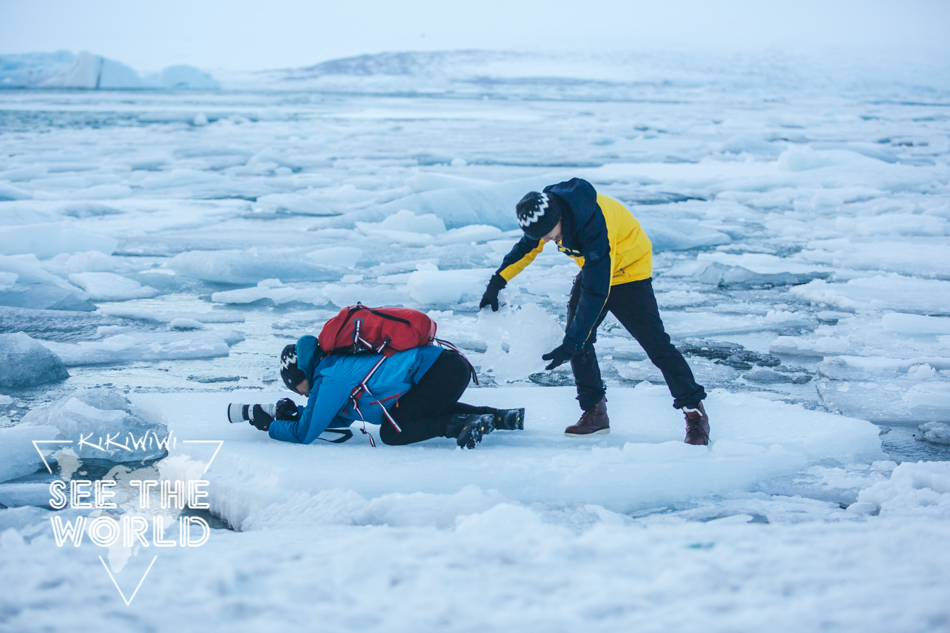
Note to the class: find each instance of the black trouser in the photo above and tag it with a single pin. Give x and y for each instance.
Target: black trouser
(634, 305)
(423, 412)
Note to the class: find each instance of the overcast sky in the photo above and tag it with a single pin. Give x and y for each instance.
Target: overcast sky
(258, 34)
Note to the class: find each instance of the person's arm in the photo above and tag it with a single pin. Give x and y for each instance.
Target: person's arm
(522, 254)
(327, 397)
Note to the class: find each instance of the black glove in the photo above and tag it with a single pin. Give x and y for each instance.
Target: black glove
(259, 418)
(560, 355)
(287, 410)
(491, 293)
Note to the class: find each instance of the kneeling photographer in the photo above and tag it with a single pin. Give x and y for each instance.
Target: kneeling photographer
(413, 395)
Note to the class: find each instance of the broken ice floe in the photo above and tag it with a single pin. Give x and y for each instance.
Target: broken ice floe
(131, 346)
(26, 285)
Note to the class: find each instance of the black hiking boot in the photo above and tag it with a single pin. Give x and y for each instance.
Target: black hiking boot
(469, 428)
(697, 425)
(508, 419)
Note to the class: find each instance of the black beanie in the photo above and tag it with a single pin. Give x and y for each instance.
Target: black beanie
(538, 214)
(289, 372)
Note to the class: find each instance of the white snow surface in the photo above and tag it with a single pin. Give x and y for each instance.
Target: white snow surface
(800, 214)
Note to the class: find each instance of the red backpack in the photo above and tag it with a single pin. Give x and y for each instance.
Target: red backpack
(358, 329)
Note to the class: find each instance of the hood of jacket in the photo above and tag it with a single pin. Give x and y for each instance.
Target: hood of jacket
(308, 356)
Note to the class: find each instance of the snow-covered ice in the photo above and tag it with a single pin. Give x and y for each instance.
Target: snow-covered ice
(166, 245)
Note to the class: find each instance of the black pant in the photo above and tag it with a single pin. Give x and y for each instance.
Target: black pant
(423, 412)
(634, 305)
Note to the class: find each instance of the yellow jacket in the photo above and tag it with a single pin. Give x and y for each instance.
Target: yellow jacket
(631, 253)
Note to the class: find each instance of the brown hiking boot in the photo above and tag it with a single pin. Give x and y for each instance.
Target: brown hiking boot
(594, 421)
(697, 425)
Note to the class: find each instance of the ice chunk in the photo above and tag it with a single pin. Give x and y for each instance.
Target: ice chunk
(914, 490)
(92, 72)
(430, 181)
(103, 418)
(89, 261)
(679, 235)
(934, 432)
(9, 192)
(308, 202)
(145, 346)
(492, 204)
(111, 287)
(930, 394)
(881, 255)
(138, 314)
(26, 363)
(34, 287)
(892, 292)
(744, 144)
(345, 256)
(18, 455)
(49, 240)
(718, 274)
(252, 266)
(433, 287)
(527, 332)
(814, 345)
(877, 367)
(8, 280)
(405, 222)
(273, 291)
(914, 324)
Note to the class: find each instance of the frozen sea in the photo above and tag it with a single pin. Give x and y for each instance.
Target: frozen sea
(165, 246)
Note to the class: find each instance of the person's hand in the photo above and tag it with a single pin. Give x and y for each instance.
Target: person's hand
(490, 297)
(287, 410)
(259, 418)
(560, 355)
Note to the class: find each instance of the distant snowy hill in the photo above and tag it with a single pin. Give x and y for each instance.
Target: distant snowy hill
(94, 72)
(614, 75)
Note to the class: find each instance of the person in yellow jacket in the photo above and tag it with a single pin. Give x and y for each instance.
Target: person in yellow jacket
(616, 261)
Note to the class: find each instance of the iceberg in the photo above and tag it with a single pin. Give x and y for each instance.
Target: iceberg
(93, 72)
(27, 70)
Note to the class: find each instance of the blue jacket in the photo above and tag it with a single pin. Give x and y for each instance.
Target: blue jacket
(333, 378)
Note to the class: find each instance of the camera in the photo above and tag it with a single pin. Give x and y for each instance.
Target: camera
(238, 412)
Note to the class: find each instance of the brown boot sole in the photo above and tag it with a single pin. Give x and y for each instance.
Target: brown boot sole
(600, 432)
